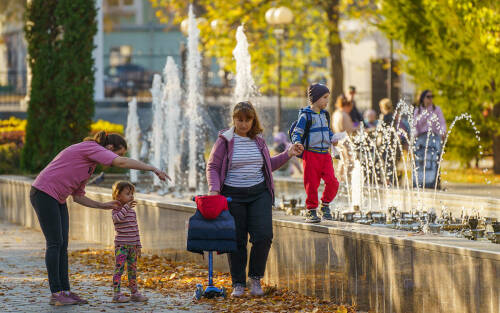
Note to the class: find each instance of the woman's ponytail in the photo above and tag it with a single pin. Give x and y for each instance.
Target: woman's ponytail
(104, 139)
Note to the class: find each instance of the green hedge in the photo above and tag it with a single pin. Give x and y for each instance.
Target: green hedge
(60, 42)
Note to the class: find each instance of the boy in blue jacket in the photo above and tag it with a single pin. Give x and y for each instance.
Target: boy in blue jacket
(316, 160)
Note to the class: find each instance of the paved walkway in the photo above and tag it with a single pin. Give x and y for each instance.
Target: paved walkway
(24, 284)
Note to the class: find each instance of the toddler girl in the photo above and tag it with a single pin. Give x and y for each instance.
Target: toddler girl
(127, 242)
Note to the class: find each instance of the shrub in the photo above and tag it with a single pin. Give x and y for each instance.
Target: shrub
(10, 155)
(60, 36)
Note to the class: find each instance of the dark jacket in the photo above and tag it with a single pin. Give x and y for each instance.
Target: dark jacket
(211, 235)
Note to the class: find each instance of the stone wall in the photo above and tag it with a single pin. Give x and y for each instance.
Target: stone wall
(376, 268)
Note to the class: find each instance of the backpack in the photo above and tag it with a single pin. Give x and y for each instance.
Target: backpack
(305, 137)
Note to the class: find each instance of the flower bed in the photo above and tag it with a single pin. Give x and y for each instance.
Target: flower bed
(12, 135)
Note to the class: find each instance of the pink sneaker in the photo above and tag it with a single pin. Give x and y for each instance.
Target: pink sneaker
(59, 298)
(79, 300)
(137, 297)
(120, 298)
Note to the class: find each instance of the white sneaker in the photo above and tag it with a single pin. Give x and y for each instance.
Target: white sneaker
(238, 291)
(256, 288)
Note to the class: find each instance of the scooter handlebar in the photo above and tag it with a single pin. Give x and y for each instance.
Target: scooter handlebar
(229, 199)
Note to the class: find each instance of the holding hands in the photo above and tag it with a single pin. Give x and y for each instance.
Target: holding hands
(111, 205)
(295, 149)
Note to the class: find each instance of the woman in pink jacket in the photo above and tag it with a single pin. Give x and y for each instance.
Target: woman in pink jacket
(241, 167)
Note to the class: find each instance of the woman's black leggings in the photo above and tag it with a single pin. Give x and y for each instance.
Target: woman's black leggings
(54, 221)
(251, 208)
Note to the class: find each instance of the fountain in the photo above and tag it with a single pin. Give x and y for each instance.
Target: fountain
(176, 133)
(245, 88)
(172, 102)
(133, 134)
(193, 119)
(157, 126)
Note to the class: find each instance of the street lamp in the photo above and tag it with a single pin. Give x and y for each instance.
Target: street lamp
(279, 17)
(185, 26)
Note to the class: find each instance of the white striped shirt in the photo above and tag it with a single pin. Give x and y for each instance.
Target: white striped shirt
(246, 165)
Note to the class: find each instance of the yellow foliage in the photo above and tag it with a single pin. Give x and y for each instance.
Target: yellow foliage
(106, 126)
(180, 278)
(12, 124)
(15, 124)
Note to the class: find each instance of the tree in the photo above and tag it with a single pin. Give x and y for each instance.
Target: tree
(311, 38)
(60, 42)
(453, 48)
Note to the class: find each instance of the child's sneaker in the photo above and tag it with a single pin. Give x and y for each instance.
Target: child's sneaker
(325, 213)
(312, 217)
(59, 298)
(137, 297)
(238, 291)
(256, 288)
(120, 298)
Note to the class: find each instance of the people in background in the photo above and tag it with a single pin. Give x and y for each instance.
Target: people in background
(354, 113)
(430, 127)
(370, 119)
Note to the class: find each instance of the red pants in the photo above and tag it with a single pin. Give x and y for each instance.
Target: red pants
(319, 166)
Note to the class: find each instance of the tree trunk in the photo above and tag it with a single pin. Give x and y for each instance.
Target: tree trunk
(335, 50)
(496, 142)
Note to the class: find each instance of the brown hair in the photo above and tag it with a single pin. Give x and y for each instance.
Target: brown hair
(246, 109)
(104, 139)
(341, 101)
(119, 186)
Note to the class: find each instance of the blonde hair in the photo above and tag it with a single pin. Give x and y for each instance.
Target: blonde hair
(119, 186)
(385, 105)
(246, 109)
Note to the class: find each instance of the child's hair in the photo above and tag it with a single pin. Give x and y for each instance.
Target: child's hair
(385, 105)
(245, 109)
(104, 139)
(119, 186)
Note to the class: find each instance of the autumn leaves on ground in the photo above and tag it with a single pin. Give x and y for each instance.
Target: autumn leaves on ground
(171, 278)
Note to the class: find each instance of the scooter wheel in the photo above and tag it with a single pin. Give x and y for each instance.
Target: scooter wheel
(198, 292)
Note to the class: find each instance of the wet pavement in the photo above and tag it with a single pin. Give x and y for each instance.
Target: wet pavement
(24, 284)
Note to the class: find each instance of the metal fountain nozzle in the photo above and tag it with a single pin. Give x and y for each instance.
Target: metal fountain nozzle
(473, 222)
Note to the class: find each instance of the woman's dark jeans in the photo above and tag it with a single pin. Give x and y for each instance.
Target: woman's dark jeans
(54, 221)
(251, 208)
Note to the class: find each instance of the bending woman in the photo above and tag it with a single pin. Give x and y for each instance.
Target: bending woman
(240, 167)
(66, 175)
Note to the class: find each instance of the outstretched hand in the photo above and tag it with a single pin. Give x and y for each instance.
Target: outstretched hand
(295, 149)
(161, 174)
